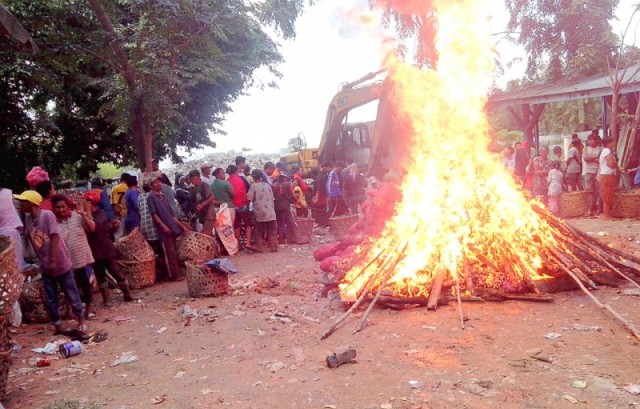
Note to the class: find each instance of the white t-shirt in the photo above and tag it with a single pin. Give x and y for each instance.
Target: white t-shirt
(590, 167)
(574, 165)
(604, 169)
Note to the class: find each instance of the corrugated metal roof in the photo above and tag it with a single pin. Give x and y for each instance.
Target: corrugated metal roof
(595, 86)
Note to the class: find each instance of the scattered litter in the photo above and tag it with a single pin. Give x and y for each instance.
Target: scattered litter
(52, 392)
(223, 265)
(416, 384)
(188, 314)
(582, 328)
(631, 291)
(179, 374)
(602, 233)
(345, 357)
(260, 333)
(126, 358)
(386, 406)
(633, 389)
(120, 320)
(206, 392)
(158, 399)
(536, 354)
(579, 384)
(329, 406)
(280, 316)
(161, 330)
(553, 335)
(49, 349)
(274, 366)
(432, 328)
(570, 399)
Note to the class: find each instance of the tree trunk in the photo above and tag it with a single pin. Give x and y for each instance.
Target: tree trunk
(614, 113)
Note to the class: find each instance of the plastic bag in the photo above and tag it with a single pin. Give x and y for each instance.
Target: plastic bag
(224, 228)
(16, 314)
(222, 265)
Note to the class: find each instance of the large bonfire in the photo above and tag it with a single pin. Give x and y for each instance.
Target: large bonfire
(459, 204)
(462, 219)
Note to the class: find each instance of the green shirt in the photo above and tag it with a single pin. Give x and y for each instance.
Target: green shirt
(221, 189)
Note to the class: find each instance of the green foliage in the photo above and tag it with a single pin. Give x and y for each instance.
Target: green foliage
(167, 73)
(108, 170)
(564, 38)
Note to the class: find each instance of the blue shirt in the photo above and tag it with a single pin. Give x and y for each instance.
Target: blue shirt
(333, 184)
(132, 219)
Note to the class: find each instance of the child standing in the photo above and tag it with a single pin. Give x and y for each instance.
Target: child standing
(301, 202)
(554, 183)
(261, 195)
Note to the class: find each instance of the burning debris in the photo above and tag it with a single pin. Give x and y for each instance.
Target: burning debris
(463, 223)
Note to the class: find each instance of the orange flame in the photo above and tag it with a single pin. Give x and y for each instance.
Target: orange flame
(461, 210)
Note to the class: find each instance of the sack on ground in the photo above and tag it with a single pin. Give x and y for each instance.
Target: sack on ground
(224, 228)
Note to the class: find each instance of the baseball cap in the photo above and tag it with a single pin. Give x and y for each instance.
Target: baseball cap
(93, 196)
(153, 177)
(30, 196)
(206, 165)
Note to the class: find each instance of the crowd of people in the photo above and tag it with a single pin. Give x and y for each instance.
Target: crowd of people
(592, 167)
(72, 240)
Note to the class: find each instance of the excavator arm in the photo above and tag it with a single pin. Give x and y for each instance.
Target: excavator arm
(351, 96)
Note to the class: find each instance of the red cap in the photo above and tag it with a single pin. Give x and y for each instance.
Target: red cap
(93, 196)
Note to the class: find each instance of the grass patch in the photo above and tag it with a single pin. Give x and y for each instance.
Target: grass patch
(72, 404)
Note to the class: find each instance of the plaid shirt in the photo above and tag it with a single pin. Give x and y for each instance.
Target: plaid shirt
(147, 226)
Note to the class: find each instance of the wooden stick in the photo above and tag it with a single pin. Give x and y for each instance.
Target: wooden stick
(361, 297)
(436, 287)
(609, 265)
(617, 316)
(390, 270)
(459, 303)
(467, 273)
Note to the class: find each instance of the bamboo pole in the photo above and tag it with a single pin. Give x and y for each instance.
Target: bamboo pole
(615, 314)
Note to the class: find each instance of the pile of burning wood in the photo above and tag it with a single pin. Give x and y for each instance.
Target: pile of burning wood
(575, 254)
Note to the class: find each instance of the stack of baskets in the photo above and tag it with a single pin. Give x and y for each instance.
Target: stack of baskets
(626, 204)
(203, 281)
(573, 204)
(138, 261)
(10, 287)
(305, 228)
(32, 302)
(196, 246)
(340, 225)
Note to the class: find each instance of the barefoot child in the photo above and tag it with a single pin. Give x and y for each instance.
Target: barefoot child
(554, 182)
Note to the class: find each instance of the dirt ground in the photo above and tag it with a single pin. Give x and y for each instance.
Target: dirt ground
(259, 347)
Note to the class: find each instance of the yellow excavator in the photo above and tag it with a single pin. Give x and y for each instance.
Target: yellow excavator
(363, 143)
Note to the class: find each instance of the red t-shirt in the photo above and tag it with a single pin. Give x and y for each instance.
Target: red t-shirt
(240, 199)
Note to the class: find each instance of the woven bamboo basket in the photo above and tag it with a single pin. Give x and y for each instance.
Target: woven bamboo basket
(202, 281)
(5, 364)
(32, 303)
(305, 229)
(573, 204)
(626, 205)
(134, 247)
(196, 246)
(339, 226)
(140, 274)
(10, 277)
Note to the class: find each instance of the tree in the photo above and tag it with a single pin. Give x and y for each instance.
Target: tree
(173, 60)
(563, 38)
(297, 143)
(121, 80)
(414, 21)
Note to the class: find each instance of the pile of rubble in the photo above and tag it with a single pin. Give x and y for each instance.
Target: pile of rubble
(222, 160)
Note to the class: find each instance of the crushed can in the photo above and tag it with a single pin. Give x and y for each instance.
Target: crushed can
(43, 362)
(69, 349)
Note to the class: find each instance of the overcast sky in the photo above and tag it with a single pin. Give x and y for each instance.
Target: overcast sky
(330, 48)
